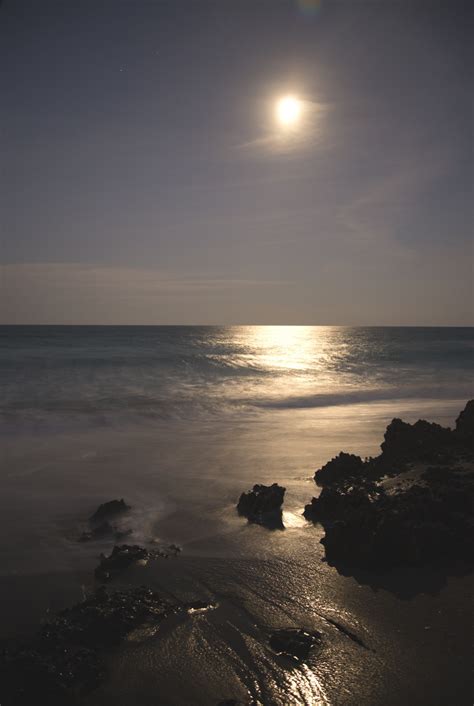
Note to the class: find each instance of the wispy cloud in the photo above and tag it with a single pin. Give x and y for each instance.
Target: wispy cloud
(140, 280)
(382, 207)
(64, 292)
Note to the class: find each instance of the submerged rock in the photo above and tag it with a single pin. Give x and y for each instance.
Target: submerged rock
(262, 505)
(294, 643)
(102, 531)
(109, 510)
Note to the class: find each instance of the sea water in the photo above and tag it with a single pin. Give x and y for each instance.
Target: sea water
(69, 376)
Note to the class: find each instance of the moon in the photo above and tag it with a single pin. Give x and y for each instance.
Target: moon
(288, 110)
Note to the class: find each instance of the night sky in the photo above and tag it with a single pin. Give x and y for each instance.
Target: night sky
(146, 179)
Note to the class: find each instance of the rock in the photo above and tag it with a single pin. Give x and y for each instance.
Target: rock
(412, 526)
(101, 526)
(465, 423)
(104, 619)
(294, 643)
(263, 504)
(109, 510)
(64, 661)
(425, 520)
(337, 502)
(125, 555)
(311, 511)
(342, 468)
(415, 442)
(66, 658)
(121, 558)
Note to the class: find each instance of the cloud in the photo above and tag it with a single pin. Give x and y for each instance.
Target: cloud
(383, 207)
(93, 293)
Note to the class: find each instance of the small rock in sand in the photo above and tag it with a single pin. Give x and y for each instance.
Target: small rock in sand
(294, 643)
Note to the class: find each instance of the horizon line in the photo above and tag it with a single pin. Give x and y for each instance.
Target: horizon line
(177, 325)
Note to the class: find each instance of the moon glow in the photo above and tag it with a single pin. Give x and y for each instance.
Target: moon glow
(288, 110)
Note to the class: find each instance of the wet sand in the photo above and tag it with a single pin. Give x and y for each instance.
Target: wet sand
(405, 651)
(416, 652)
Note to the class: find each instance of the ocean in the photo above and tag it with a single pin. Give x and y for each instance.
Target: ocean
(179, 421)
(53, 377)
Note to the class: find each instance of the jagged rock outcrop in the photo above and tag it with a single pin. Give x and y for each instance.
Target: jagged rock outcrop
(422, 441)
(342, 468)
(262, 505)
(108, 511)
(101, 525)
(465, 424)
(424, 519)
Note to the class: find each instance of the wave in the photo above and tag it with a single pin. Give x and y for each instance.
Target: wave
(334, 399)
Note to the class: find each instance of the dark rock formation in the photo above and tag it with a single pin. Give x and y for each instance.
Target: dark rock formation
(104, 619)
(100, 523)
(342, 468)
(422, 441)
(108, 511)
(424, 520)
(465, 424)
(262, 505)
(336, 502)
(121, 558)
(294, 643)
(125, 555)
(66, 659)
